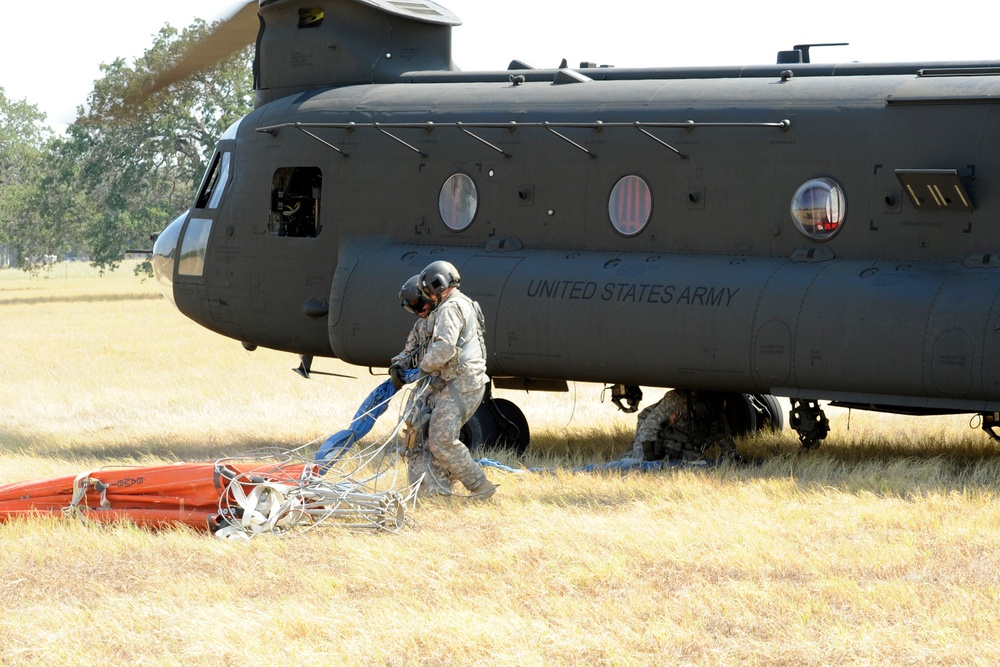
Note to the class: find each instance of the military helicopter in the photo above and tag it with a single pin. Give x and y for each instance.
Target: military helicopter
(820, 232)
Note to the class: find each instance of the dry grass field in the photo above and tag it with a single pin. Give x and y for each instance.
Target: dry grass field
(880, 548)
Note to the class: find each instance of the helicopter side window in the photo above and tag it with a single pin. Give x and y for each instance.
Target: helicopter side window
(458, 201)
(819, 208)
(295, 202)
(630, 205)
(215, 181)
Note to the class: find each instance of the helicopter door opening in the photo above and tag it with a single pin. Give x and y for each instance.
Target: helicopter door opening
(296, 193)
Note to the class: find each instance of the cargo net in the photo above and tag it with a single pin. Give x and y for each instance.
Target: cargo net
(272, 491)
(286, 492)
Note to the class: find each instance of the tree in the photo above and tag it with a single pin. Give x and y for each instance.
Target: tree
(132, 164)
(23, 139)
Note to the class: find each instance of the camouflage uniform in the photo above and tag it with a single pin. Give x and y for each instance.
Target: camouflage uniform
(419, 405)
(683, 425)
(416, 344)
(456, 357)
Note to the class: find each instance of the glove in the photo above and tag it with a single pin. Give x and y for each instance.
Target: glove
(396, 375)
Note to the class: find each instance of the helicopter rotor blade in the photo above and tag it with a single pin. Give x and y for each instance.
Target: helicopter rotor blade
(233, 34)
(225, 39)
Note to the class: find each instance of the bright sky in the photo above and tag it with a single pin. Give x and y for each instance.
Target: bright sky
(51, 51)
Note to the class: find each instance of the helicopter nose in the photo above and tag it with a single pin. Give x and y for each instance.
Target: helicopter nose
(165, 256)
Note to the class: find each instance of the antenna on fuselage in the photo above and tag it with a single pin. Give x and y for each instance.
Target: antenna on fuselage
(800, 53)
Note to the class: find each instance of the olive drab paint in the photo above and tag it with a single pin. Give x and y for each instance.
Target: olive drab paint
(799, 229)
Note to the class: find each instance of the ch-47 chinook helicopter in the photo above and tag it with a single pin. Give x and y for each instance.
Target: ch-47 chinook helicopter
(818, 232)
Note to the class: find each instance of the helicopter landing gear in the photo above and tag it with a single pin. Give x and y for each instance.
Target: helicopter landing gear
(991, 422)
(747, 413)
(807, 418)
(626, 397)
(496, 424)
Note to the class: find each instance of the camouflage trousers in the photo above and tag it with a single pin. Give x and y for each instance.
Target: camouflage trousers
(674, 445)
(437, 453)
(419, 461)
(668, 430)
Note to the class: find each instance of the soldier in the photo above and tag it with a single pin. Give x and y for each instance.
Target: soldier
(455, 358)
(419, 461)
(683, 425)
(412, 299)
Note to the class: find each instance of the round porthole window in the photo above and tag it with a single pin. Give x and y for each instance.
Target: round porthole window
(818, 208)
(458, 202)
(630, 205)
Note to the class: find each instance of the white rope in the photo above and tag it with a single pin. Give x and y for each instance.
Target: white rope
(355, 491)
(82, 484)
(267, 501)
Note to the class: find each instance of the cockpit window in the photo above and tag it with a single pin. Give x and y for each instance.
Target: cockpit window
(193, 247)
(215, 181)
(819, 208)
(296, 193)
(165, 255)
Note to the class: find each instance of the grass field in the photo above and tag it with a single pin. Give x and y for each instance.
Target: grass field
(880, 548)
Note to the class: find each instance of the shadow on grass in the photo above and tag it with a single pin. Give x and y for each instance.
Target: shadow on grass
(883, 466)
(145, 450)
(894, 469)
(87, 298)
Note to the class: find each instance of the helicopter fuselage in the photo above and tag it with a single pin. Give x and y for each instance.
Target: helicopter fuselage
(794, 231)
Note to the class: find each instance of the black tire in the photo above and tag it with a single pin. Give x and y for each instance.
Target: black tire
(747, 413)
(741, 414)
(514, 433)
(481, 431)
(496, 424)
(774, 417)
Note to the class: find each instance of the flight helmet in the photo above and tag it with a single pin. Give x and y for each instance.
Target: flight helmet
(410, 296)
(437, 277)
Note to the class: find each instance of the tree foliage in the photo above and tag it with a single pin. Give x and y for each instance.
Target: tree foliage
(131, 163)
(23, 141)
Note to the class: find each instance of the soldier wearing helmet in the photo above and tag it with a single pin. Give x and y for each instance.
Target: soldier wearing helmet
(455, 357)
(412, 300)
(419, 462)
(683, 426)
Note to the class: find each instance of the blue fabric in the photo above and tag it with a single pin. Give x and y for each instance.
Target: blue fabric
(621, 465)
(371, 409)
(377, 403)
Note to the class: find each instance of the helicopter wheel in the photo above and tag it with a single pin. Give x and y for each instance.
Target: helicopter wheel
(740, 414)
(496, 423)
(481, 430)
(770, 415)
(514, 432)
(747, 413)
